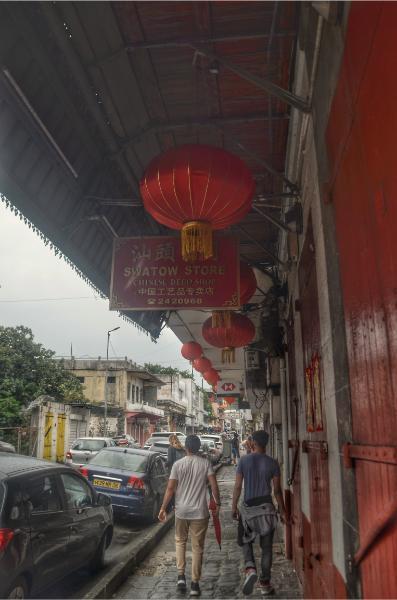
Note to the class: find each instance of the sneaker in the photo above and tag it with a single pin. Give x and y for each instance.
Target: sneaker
(249, 582)
(266, 588)
(181, 583)
(195, 591)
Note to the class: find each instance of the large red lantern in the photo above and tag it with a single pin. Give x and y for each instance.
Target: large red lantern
(240, 333)
(211, 377)
(197, 189)
(191, 350)
(229, 400)
(202, 364)
(247, 289)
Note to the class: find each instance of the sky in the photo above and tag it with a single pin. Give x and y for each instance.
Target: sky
(42, 292)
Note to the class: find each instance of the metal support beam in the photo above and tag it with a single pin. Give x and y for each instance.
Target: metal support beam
(272, 220)
(163, 127)
(261, 246)
(264, 84)
(152, 45)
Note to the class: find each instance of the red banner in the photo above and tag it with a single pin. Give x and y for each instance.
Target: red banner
(148, 273)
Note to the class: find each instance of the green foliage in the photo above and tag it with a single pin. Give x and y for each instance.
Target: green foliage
(207, 403)
(160, 370)
(27, 370)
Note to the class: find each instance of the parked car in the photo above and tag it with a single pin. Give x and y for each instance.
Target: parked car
(85, 448)
(216, 438)
(209, 450)
(135, 479)
(161, 446)
(126, 440)
(52, 522)
(6, 447)
(166, 434)
(155, 440)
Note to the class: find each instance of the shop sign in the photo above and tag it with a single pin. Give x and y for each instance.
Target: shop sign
(228, 388)
(148, 273)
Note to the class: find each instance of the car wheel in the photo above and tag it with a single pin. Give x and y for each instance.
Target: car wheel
(19, 589)
(98, 561)
(155, 510)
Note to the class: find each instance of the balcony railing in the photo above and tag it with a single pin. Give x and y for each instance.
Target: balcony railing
(144, 408)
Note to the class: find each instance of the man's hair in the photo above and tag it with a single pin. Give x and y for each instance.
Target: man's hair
(192, 443)
(261, 438)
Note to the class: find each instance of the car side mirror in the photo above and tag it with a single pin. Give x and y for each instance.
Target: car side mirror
(103, 499)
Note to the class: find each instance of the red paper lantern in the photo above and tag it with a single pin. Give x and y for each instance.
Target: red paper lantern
(247, 283)
(211, 377)
(229, 400)
(240, 333)
(197, 189)
(191, 350)
(202, 364)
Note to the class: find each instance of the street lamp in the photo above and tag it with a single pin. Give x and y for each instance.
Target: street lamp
(106, 381)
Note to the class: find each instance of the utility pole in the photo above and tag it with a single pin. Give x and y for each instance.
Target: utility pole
(106, 382)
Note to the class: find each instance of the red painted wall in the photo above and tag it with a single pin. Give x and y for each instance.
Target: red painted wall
(362, 143)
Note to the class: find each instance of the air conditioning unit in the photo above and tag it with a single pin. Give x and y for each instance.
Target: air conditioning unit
(252, 360)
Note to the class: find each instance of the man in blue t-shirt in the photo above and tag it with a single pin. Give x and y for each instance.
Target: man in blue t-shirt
(257, 515)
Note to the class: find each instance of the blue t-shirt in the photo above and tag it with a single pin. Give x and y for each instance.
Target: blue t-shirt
(258, 471)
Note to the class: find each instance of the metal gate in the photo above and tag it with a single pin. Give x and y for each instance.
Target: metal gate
(362, 149)
(61, 437)
(48, 425)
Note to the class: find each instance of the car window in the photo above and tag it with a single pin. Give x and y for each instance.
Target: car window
(92, 445)
(77, 491)
(16, 502)
(42, 495)
(120, 460)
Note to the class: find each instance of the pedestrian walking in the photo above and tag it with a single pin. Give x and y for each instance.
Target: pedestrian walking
(257, 515)
(248, 445)
(235, 448)
(175, 451)
(188, 482)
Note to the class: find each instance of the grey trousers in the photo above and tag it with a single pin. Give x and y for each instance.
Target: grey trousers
(266, 544)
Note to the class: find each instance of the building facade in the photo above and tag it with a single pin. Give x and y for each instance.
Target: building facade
(130, 393)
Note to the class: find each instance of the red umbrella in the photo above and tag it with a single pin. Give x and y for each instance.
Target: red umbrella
(215, 520)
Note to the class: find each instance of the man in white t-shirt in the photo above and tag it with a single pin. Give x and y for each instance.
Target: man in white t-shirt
(188, 481)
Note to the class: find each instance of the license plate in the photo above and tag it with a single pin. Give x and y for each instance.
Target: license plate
(113, 485)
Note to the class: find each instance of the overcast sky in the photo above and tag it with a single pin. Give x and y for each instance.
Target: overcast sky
(41, 291)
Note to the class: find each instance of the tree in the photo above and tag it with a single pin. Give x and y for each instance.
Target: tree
(28, 370)
(160, 370)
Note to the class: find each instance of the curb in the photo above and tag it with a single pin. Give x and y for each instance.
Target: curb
(109, 583)
(112, 579)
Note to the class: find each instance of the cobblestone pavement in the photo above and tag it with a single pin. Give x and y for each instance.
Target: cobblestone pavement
(222, 570)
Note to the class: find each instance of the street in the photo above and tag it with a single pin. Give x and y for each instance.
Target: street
(156, 577)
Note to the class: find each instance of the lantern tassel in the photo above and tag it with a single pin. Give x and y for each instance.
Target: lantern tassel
(228, 355)
(221, 318)
(196, 238)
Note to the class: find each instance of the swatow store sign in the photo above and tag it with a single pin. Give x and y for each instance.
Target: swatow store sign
(148, 273)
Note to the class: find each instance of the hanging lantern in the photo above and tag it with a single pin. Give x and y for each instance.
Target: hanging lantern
(229, 400)
(191, 350)
(197, 189)
(240, 333)
(202, 364)
(211, 377)
(221, 318)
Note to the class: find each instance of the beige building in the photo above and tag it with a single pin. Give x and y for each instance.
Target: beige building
(127, 387)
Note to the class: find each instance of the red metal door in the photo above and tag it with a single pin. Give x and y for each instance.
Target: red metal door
(319, 572)
(361, 140)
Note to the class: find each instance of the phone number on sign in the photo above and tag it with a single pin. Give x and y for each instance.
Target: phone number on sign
(174, 301)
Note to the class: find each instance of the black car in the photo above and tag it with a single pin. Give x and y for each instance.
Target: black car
(135, 479)
(52, 522)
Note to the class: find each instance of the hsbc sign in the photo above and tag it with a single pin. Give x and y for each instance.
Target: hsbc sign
(228, 388)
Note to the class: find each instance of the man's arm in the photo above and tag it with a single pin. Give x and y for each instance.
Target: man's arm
(169, 493)
(279, 496)
(215, 491)
(238, 486)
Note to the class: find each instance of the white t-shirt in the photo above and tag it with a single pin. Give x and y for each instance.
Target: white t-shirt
(191, 496)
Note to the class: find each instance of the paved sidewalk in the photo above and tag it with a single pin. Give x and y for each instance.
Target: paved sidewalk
(222, 570)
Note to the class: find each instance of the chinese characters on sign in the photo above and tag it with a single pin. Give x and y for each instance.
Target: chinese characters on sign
(149, 274)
